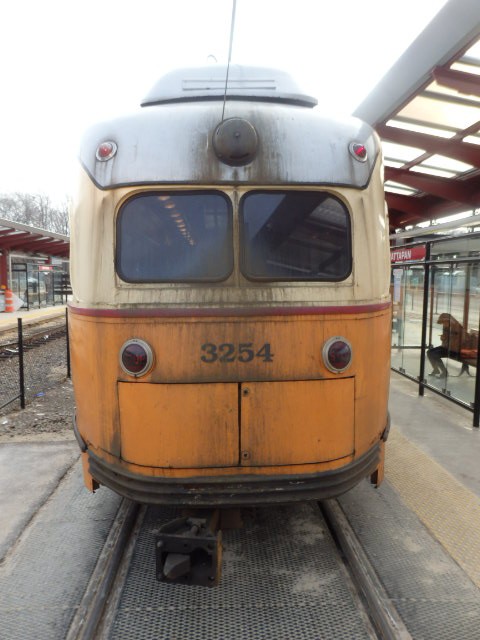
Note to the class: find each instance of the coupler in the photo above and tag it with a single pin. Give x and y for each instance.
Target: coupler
(189, 550)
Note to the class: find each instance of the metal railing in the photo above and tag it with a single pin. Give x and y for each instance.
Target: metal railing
(32, 360)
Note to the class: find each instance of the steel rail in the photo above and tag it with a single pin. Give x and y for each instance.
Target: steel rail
(88, 617)
(96, 612)
(385, 617)
(34, 338)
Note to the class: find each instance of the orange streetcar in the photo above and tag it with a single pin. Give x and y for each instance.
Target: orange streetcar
(230, 321)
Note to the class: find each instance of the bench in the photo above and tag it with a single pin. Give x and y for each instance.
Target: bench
(468, 357)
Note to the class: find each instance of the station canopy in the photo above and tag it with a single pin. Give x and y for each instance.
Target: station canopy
(20, 237)
(427, 113)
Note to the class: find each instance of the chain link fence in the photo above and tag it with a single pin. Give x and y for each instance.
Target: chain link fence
(33, 358)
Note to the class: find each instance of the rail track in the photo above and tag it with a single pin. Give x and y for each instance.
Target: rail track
(32, 338)
(387, 622)
(106, 611)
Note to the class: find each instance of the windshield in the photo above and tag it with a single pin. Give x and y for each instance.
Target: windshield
(175, 237)
(295, 235)
(187, 236)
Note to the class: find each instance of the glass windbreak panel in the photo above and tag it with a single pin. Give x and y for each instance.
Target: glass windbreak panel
(453, 248)
(175, 237)
(19, 281)
(30, 282)
(295, 235)
(407, 301)
(453, 323)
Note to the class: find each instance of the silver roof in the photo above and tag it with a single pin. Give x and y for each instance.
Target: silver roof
(172, 141)
(244, 83)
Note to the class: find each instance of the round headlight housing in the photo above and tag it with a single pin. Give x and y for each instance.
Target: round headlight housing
(337, 354)
(136, 357)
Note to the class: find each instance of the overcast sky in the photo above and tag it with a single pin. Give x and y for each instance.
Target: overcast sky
(66, 64)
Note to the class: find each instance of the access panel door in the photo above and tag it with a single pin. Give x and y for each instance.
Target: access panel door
(179, 425)
(284, 423)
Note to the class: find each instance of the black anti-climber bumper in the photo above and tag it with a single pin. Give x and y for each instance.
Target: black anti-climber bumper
(237, 490)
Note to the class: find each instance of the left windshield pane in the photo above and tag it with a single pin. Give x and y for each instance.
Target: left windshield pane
(175, 237)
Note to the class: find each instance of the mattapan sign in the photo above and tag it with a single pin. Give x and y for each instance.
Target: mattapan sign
(408, 254)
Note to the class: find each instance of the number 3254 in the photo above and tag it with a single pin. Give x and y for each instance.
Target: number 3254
(228, 352)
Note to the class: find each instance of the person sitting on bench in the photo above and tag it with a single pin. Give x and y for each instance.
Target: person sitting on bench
(451, 339)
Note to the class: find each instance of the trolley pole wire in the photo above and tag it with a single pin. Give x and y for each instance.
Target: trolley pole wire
(232, 28)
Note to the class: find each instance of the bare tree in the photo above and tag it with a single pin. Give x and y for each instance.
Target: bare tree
(36, 210)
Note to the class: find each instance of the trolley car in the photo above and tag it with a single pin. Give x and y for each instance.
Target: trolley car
(230, 319)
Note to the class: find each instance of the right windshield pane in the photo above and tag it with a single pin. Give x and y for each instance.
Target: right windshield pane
(295, 235)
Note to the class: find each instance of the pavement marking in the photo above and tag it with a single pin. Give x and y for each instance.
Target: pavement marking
(446, 507)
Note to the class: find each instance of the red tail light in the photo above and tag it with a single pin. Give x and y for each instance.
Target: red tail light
(337, 354)
(358, 151)
(106, 150)
(136, 357)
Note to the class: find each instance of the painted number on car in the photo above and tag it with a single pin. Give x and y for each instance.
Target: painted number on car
(229, 352)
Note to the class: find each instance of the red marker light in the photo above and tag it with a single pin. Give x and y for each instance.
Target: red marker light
(106, 150)
(358, 151)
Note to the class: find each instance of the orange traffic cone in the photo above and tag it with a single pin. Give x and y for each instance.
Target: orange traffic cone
(9, 308)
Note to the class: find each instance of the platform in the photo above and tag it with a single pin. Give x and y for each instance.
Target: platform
(9, 320)
(419, 530)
